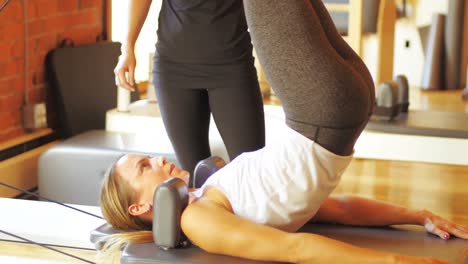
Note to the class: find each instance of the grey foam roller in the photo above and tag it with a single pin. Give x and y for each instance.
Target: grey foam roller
(433, 75)
(453, 43)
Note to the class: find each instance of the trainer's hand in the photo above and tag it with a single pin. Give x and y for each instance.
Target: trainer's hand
(442, 227)
(125, 71)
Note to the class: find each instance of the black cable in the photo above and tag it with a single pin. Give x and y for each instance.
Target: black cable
(47, 247)
(4, 5)
(49, 200)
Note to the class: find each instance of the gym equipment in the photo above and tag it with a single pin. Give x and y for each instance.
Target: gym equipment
(48, 223)
(171, 198)
(83, 159)
(451, 125)
(83, 84)
(205, 169)
(392, 105)
(387, 106)
(396, 240)
(427, 136)
(403, 93)
(392, 99)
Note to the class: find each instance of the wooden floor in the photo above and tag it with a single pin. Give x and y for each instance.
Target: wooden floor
(444, 101)
(440, 188)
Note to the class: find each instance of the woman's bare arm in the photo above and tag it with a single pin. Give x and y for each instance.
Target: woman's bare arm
(352, 210)
(212, 227)
(137, 13)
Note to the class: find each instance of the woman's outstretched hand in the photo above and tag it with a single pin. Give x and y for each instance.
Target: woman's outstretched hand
(125, 70)
(442, 227)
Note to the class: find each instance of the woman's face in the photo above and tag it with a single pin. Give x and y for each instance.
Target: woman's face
(144, 173)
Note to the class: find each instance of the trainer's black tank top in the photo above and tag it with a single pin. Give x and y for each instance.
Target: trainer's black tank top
(203, 32)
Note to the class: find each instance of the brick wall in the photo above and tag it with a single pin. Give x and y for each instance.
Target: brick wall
(49, 22)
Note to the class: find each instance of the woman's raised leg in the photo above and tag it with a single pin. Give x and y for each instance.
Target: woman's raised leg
(337, 41)
(324, 97)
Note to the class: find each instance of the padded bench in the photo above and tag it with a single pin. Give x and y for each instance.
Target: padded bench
(71, 172)
(399, 239)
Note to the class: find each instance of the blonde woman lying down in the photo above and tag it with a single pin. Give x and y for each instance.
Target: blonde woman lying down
(260, 199)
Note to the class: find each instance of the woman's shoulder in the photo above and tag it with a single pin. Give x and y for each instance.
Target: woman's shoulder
(212, 201)
(212, 195)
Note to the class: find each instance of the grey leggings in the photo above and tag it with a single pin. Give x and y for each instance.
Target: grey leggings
(326, 90)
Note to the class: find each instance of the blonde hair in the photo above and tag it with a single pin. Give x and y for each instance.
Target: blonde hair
(115, 198)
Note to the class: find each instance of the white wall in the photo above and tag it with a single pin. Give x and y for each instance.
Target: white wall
(425, 9)
(408, 60)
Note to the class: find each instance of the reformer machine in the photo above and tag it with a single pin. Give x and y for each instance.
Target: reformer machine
(171, 245)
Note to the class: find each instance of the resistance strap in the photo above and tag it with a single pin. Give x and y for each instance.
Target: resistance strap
(49, 200)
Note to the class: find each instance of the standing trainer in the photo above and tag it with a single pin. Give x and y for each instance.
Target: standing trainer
(203, 65)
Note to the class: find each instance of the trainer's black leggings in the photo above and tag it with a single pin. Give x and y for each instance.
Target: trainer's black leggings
(326, 90)
(188, 94)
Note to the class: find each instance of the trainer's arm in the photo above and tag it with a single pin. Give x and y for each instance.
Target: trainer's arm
(212, 227)
(137, 13)
(125, 69)
(353, 210)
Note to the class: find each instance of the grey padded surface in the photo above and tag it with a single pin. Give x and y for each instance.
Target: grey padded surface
(71, 172)
(399, 240)
(84, 81)
(425, 123)
(151, 254)
(83, 84)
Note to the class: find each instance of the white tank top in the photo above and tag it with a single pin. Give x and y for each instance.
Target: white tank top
(281, 185)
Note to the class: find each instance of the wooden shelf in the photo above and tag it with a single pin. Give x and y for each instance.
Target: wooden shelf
(25, 138)
(21, 170)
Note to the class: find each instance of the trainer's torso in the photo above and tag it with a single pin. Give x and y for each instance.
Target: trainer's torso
(203, 32)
